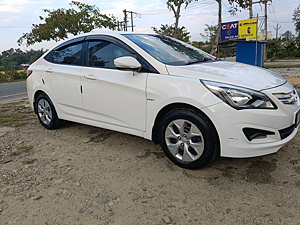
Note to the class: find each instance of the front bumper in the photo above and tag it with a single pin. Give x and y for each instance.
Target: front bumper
(255, 132)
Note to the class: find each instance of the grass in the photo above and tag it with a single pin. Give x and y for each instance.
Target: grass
(281, 66)
(15, 114)
(11, 119)
(12, 76)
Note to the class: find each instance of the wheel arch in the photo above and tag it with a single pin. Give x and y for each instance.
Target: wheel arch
(176, 106)
(36, 94)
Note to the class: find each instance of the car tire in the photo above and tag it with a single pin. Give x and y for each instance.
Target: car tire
(46, 112)
(188, 139)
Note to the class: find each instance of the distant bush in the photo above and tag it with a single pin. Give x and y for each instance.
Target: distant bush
(281, 49)
(12, 75)
(12, 59)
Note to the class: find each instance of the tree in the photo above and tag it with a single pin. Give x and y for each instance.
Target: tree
(288, 35)
(210, 33)
(236, 4)
(274, 48)
(61, 22)
(218, 33)
(168, 30)
(296, 20)
(175, 6)
(12, 59)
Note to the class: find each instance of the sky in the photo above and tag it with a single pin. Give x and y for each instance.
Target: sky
(17, 16)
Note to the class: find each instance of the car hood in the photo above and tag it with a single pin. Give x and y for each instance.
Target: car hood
(233, 73)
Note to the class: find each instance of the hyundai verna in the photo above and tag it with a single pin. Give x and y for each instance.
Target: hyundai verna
(156, 87)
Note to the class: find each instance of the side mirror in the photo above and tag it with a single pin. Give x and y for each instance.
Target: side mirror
(127, 62)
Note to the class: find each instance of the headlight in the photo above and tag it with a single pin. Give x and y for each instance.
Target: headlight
(238, 97)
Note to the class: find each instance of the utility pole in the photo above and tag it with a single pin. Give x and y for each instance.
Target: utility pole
(266, 19)
(250, 9)
(277, 29)
(125, 19)
(265, 2)
(131, 19)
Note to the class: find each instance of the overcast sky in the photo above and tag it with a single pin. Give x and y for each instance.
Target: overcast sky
(17, 16)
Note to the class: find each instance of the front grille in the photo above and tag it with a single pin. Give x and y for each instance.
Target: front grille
(287, 98)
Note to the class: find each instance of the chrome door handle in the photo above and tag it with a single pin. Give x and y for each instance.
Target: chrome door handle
(90, 77)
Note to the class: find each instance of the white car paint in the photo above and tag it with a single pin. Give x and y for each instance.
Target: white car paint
(231, 73)
(129, 101)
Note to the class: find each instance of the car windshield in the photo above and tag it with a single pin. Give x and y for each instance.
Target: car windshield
(169, 50)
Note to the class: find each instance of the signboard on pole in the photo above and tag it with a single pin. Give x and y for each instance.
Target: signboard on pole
(247, 28)
(239, 30)
(229, 31)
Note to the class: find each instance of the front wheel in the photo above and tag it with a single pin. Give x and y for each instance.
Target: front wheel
(188, 139)
(46, 112)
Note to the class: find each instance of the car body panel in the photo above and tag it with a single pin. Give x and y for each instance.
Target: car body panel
(65, 80)
(231, 73)
(112, 96)
(130, 101)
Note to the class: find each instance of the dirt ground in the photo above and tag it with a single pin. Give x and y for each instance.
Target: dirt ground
(86, 175)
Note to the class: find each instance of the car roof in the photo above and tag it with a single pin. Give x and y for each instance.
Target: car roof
(116, 34)
(110, 33)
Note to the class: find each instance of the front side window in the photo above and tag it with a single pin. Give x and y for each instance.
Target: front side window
(103, 53)
(68, 55)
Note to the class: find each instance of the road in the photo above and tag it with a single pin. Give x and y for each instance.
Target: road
(11, 91)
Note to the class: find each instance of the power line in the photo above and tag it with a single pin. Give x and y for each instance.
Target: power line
(273, 6)
(190, 7)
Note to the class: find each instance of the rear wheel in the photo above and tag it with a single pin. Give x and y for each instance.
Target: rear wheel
(188, 139)
(46, 112)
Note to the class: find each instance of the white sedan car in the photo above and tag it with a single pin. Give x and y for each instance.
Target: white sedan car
(156, 87)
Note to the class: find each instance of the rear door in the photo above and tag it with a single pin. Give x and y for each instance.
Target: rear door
(62, 78)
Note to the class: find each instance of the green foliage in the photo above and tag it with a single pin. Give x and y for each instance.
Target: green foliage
(12, 59)
(296, 20)
(236, 4)
(226, 51)
(168, 30)
(178, 2)
(61, 22)
(204, 46)
(210, 33)
(280, 49)
(288, 35)
(273, 48)
(12, 75)
(175, 6)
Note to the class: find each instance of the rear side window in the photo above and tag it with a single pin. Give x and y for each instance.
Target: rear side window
(68, 55)
(103, 53)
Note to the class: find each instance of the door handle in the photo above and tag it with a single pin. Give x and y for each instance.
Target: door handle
(49, 70)
(90, 77)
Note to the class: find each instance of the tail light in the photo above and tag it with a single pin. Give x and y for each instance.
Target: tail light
(29, 72)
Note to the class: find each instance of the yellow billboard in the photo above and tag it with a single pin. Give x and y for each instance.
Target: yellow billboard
(247, 28)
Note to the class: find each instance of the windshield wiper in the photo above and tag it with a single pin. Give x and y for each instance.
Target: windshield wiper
(199, 61)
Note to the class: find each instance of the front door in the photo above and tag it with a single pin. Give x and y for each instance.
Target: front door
(111, 96)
